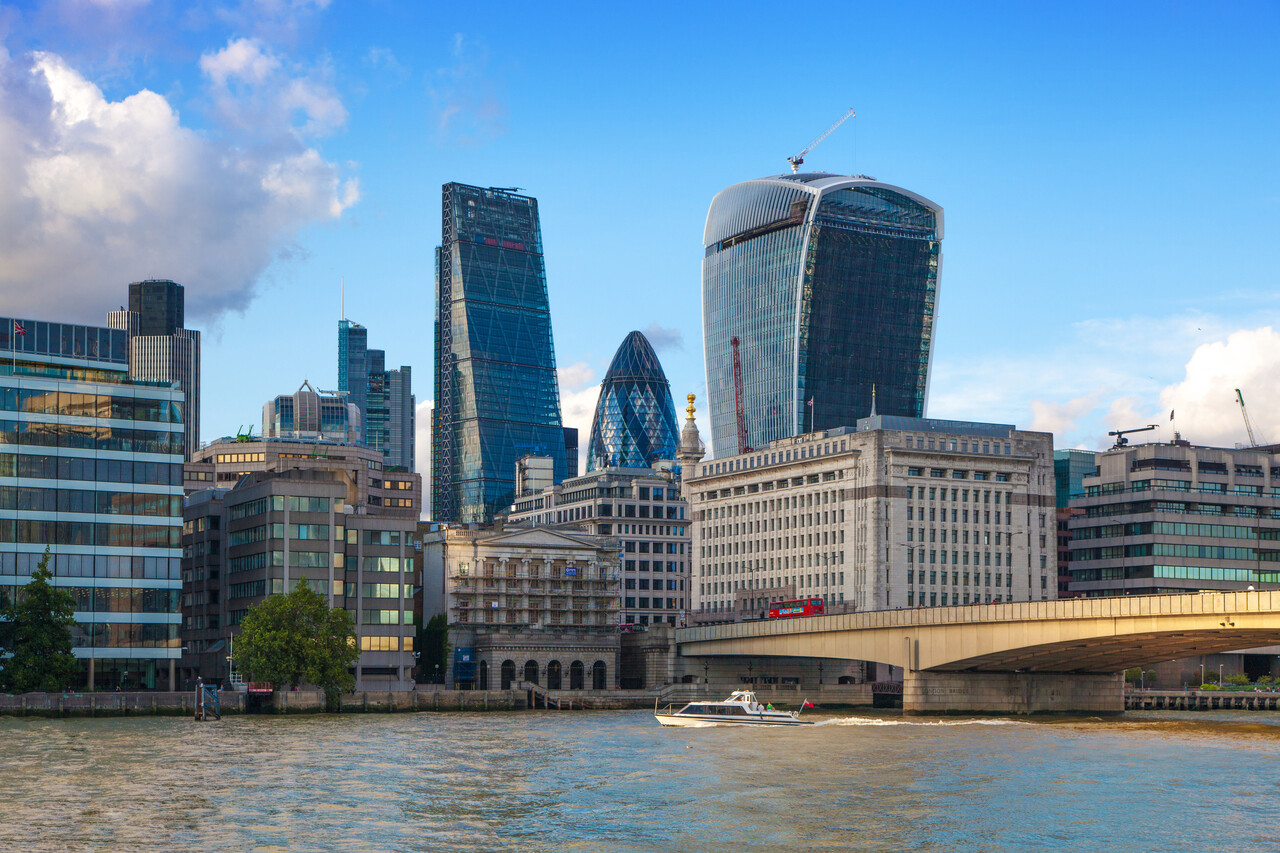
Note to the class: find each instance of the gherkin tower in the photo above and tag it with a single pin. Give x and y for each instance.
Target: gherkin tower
(635, 419)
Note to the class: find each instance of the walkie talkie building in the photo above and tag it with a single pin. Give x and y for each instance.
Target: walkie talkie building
(830, 283)
(496, 393)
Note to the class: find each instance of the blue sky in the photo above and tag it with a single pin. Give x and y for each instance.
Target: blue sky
(1108, 173)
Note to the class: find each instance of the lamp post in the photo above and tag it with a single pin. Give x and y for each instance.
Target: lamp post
(751, 668)
(1219, 675)
(820, 668)
(705, 667)
(1202, 672)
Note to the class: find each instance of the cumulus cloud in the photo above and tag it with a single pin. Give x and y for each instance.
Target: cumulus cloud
(422, 451)
(664, 339)
(1059, 418)
(579, 390)
(255, 94)
(99, 193)
(468, 107)
(1204, 401)
(242, 59)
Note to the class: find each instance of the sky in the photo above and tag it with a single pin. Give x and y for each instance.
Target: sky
(1108, 174)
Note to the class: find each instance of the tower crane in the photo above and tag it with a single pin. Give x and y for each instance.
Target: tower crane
(737, 398)
(1120, 434)
(799, 158)
(1248, 425)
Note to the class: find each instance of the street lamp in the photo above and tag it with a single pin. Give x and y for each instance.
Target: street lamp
(1202, 672)
(1219, 675)
(705, 667)
(751, 668)
(820, 668)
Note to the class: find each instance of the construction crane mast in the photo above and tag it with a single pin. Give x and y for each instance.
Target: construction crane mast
(1248, 425)
(1120, 434)
(799, 158)
(737, 399)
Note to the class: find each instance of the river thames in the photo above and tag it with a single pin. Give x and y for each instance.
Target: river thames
(616, 781)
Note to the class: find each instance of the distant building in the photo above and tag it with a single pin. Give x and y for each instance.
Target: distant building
(1166, 518)
(384, 397)
(91, 469)
(634, 425)
(571, 451)
(160, 349)
(309, 414)
(829, 284)
(641, 507)
(1070, 467)
(496, 392)
(276, 529)
(901, 512)
(533, 604)
(224, 462)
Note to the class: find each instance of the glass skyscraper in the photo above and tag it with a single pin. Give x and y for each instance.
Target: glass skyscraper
(829, 284)
(635, 420)
(91, 468)
(496, 393)
(384, 397)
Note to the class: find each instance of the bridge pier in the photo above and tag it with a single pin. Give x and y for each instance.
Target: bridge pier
(934, 692)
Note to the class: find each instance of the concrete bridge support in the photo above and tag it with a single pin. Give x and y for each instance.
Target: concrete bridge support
(932, 692)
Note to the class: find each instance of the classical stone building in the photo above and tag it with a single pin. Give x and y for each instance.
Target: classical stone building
(899, 512)
(643, 509)
(536, 603)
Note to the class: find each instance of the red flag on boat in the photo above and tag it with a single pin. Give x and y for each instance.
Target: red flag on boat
(807, 704)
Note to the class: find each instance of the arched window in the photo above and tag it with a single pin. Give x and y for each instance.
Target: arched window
(531, 671)
(553, 675)
(598, 675)
(576, 671)
(508, 673)
(484, 675)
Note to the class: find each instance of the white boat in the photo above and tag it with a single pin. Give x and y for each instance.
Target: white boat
(740, 709)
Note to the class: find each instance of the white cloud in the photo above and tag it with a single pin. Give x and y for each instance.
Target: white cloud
(242, 59)
(422, 451)
(99, 193)
(1205, 401)
(579, 390)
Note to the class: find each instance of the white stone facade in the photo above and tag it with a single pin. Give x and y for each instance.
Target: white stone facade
(902, 512)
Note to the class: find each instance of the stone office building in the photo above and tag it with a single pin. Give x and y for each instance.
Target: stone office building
(899, 512)
(536, 604)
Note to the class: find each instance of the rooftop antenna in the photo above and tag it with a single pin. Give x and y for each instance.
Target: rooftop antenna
(797, 160)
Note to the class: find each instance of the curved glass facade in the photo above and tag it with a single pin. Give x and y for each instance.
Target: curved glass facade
(496, 393)
(829, 283)
(635, 420)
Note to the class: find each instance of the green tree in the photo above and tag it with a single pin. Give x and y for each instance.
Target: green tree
(299, 639)
(433, 648)
(36, 634)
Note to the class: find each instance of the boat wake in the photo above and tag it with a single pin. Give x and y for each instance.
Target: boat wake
(876, 721)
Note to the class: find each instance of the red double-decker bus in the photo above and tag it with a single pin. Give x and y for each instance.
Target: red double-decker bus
(796, 607)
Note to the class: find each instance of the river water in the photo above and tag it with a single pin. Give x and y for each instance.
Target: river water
(616, 781)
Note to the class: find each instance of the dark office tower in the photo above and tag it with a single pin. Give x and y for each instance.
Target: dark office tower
(353, 362)
(160, 349)
(635, 420)
(495, 389)
(570, 452)
(401, 435)
(828, 283)
(377, 402)
(159, 303)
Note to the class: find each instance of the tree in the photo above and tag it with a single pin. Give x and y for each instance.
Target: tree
(298, 638)
(36, 634)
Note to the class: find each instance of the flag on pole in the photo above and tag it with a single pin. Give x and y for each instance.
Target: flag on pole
(18, 328)
(807, 704)
(1171, 414)
(810, 403)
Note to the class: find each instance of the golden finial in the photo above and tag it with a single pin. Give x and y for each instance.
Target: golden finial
(690, 409)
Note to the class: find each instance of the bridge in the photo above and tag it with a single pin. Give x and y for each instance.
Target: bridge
(1021, 657)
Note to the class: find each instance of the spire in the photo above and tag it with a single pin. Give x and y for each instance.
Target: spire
(873, 400)
(691, 448)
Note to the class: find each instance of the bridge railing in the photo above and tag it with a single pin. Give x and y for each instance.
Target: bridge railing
(1216, 603)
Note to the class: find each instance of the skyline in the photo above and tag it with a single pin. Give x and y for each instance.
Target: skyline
(1105, 175)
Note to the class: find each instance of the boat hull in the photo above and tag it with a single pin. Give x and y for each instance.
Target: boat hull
(695, 721)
